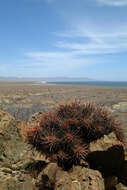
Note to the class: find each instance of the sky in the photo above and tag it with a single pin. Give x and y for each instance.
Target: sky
(64, 38)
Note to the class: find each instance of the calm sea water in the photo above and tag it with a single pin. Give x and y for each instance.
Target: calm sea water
(94, 83)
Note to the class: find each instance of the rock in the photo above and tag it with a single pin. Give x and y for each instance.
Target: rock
(121, 107)
(78, 178)
(63, 181)
(12, 148)
(85, 178)
(120, 186)
(109, 109)
(103, 153)
(15, 182)
(104, 143)
(51, 170)
(13, 155)
(34, 119)
(110, 182)
(47, 177)
(123, 174)
(6, 170)
(9, 137)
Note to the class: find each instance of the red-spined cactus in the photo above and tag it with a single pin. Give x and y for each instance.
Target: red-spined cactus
(65, 133)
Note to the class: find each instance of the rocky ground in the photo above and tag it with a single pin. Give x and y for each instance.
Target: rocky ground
(24, 99)
(22, 168)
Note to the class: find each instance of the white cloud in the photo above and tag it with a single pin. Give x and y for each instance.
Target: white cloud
(59, 58)
(97, 42)
(74, 54)
(61, 63)
(77, 48)
(117, 3)
(43, 55)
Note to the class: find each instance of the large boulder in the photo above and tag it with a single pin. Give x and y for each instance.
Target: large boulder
(103, 153)
(78, 178)
(85, 178)
(14, 155)
(10, 139)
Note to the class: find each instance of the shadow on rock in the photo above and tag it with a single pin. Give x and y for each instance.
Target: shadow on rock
(108, 162)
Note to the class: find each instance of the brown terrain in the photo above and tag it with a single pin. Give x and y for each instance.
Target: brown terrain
(23, 99)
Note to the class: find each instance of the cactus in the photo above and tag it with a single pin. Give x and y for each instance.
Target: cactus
(65, 133)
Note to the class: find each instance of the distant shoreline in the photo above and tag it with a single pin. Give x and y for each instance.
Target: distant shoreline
(91, 83)
(77, 83)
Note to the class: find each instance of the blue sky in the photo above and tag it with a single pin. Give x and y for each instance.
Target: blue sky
(68, 38)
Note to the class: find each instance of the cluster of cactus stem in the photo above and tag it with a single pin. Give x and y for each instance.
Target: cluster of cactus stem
(65, 133)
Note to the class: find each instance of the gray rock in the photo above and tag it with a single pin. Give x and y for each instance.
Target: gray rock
(120, 186)
(78, 178)
(103, 153)
(120, 107)
(13, 155)
(15, 182)
(86, 178)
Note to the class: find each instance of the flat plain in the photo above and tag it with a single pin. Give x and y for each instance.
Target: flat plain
(22, 99)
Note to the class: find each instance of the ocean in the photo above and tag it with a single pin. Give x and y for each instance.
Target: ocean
(93, 83)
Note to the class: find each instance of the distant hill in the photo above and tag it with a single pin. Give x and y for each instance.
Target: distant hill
(47, 79)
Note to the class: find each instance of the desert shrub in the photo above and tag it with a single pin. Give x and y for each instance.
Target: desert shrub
(21, 112)
(64, 134)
